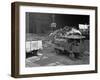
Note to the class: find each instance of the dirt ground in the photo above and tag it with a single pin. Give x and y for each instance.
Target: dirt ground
(48, 56)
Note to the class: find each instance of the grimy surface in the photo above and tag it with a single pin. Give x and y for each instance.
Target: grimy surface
(48, 56)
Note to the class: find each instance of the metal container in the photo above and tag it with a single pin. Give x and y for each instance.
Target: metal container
(70, 44)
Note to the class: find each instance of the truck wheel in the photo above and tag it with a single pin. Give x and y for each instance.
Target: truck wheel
(66, 52)
(72, 55)
(57, 51)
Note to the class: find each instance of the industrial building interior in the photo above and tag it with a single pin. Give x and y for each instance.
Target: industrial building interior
(40, 48)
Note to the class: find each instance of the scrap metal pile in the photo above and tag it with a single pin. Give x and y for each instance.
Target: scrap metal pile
(67, 40)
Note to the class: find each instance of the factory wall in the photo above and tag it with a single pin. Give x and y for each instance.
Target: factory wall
(40, 22)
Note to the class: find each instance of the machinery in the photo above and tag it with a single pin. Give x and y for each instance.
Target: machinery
(32, 47)
(69, 42)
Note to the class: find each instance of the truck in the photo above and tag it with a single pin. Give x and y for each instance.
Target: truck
(69, 43)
